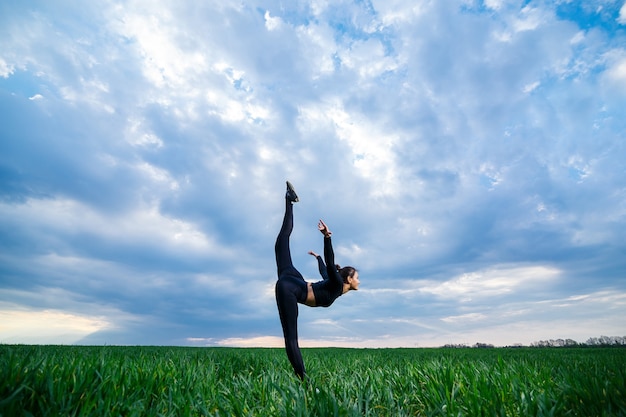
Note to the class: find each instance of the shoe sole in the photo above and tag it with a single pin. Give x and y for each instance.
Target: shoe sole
(293, 191)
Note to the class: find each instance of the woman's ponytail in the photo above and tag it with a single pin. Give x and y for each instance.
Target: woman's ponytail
(345, 272)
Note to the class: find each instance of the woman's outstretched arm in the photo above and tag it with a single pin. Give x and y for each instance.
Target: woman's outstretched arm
(321, 226)
(320, 265)
(329, 254)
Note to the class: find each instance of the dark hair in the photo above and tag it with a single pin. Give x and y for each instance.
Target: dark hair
(345, 272)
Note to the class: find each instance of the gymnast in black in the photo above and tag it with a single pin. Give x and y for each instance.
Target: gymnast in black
(291, 288)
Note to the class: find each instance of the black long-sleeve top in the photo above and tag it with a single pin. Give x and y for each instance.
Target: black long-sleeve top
(331, 287)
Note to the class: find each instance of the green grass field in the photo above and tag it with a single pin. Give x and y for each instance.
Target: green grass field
(166, 381)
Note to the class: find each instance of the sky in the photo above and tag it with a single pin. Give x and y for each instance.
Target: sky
(469, 157)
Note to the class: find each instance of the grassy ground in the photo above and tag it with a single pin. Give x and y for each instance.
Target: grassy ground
(166, 381)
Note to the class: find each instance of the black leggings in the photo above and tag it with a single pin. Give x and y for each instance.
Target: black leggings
(291, 289)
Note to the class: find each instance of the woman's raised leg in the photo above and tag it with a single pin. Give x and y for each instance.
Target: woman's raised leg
(284, 263)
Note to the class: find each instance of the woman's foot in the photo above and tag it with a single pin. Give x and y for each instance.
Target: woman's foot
(291, 193)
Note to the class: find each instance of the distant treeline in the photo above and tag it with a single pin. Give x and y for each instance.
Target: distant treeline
(602, 341)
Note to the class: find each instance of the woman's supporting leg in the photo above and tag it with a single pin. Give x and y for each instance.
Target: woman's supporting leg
(287, 302)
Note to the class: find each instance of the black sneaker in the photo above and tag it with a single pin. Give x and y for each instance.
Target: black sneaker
(291, 193)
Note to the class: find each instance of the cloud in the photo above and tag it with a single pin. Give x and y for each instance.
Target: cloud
(5, 69)
(496, 281)
(271, 23)
(144, 227)
(622, 15)
(616, 73)
(47, 326)
(469, 317)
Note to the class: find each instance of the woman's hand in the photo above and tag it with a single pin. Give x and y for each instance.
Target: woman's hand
(324, 229)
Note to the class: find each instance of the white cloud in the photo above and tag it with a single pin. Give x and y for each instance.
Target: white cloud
(494, 4)
(622, 15)
(137, 135)
(492, 282)
(368, 59)
(530, 18)
(371, 149)
(272, 23)
(143, 226)
(163, 61)
(46, 326)
(392, 12)
(278, 342)
(260, 341)
(529, 88)
(6, 69)
(616, 73)
(464, 318)
(320, 46)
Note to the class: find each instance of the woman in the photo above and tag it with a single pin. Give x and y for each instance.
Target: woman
(291, 288)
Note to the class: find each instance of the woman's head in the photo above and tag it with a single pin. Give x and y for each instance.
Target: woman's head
(350, 277)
